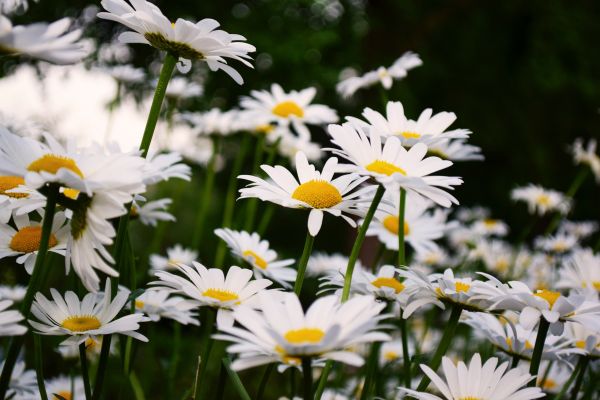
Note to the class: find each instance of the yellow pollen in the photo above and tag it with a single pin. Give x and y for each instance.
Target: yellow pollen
(490, 223)
(580, 344)
(528, 345)
(543, 199)
(72, 194)
(502, 265)
(139, 304)
(410, 135)
(288, 359)
(266, 128)
(11, 182)
(255, 259)
(90, 344)
(81, 323)
(596, 285)
(560, 247)
(390, 355)
(509, 343)
(462, 287)
(550, 384)
(384, 168)
(27, 239)
(304, 336)
(318, 194)
(388, 282)
(391, 224)
(548, 295)
(64, 394)
(220, 294)
(52, 163)
(287, 108)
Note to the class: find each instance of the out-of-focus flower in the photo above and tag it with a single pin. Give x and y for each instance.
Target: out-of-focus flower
(456, 150)
(175, 255)
(587, 156)
(182, 88)
(157, 304)
(321, 263)
(9, 320)
(126, 73)
(580, 229)
(23, 383)
(14, 293)
(152, 212)
(580, 271)
(540, 200)
(557, 244)
(66, 387)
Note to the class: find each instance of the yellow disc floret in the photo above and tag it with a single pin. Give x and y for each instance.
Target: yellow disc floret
(388, 282)
(255, 259)
(318, 194)
(304, 336)
(287, 108)
(462, 287)
(384, 168)
(52, 163)
(11, 182)
(548, 295)
(391, 223)
(220, 294)
(81, 323)
(27, 239)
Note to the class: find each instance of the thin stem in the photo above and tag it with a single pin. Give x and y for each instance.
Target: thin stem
(575, 185)
(401, 246)
(102, 363)
(221, 382)
(207, 192)
(253, 203)
(546, 373)
(444, 344)
(584, 363)
(569, 382)
(308, 378)
(359, 241)
(263, 381)
(35, 282)
(405, 352)
(174, 358)
(371, 371)
(207, 344)
(515, 361)
(308, 245)
(265, 219)
(84, 372)
(323, 379)
(292, 383)
(235, 379)
(538, 349)
(39, 367)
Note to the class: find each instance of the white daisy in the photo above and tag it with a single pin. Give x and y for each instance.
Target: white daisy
(93, 348)
(391, 164)
(290, 145)
(557, 244)
(540, 200)
(587, 155)
(161, 167)
(490, 227)
(398, 70)
(90, 317)
(24, 242)
(23, 383)
(9, 320)
(580, 229)
(175, 255)
(585, 340)
(209, 287)
(157, 304)
(317, 191)
(184, 39)
(13, 194)
(127, 74)
(256, 252)
(427, 129)
(182, 88)
(152, 212)
(456, 150)
(66, 387)
(478, 382)
(556, 378)
(213, 122)
(580, 271)
(14, 293)
(434, 257)
(391, 352)
(321, 263)
(11, 6)
(283, 330)
(293, 108)
(49, 42)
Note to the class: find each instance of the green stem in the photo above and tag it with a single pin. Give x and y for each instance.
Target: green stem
(308, 378)
(235, 379)
(323, 379)
(538, 349)
(401, 246)
(207, 192)
(362, 231)
(102, 364)
(136, 386)
(584, 363)
(515, 361)
(174, 358)
(265, 219)
(84, 372)
(444, 344)
(371, 371)
(292, 383)
(253, 203)
(405, 352)
(35, 283)
(207, 344)
(546, 373)
(39, 367)
(569, 382)
(308, 245)
(575, 185)
(263, 381)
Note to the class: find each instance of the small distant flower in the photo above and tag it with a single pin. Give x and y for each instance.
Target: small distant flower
(497, 256)
(175, 255)
(11, 6)
(540, 200)
(557, 244)
(157, 304)
(210, 288)
(90, 317)
(555, 379)
(93, 347)
(391, 352)
(66, 387)
(471, 214)
(127, 74)
(383, 75)
(293, 108)
(213, 122)
(23, 383)
(165, 166)
(284, 332)
(580, 271)
(317, 191)
(290, 145)
(152, 212)
(256, 252)
(24, 242)
(184, 39)
(391, 164)
(321, 263)
(580, 229)
(491, 382)
(14, 293)
(456, 150)
(434, 257)
(587, 155)
(48, 42)
(490, 227)
(585, 340)
(9, 320)
(182, 88)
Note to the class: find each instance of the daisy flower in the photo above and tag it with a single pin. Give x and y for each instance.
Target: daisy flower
(157, 304)
(557, 244)
(293, 108)
(9, 320)
(290, 145)
(587, 155)
(456, 150)
(24, 241)
(583, 339)
(317, 191)
(555, 379)
(10, 6)
(427, 129)
(321, 263)
(48, 42)
(580, 229)
(385, 76)
(14, 293)
(90, 317)
(23, 383)
(256, 252)
(434, 257)
(391, 164)
(65, 387)
(126, 74)
(540, 200)
(210, 288)
(213, 122)
(580, 271)
(184, 39)
(490, 227)
(476, 381)
(152, 212)
(93, 347)
(160, 167)
(283, 330)
(182, 88)
(391, 352)
(175, 255)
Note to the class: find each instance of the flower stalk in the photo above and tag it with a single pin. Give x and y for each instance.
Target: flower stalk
(308, 245)
(84, 372)
(207, 191)
(308, 378)
(538, 349)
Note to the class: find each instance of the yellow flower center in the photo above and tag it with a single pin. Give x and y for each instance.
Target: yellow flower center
(81, 323)
(52, 163)
(11, 182)
(462, 287)
(550, 384)
(288, 359)
(72, 194)
(90, 344)
(390, 355)
(318, 194)
(220, 294)
(27, 240)
(139, 304)
(528, 345)
(304, 335)
(580, 344)
(255, 259)
(509, 343)
(502, 265)
(560, 247)
(548, 295)
(490, 223)
(596, 285)
(266, 128)
(410, 135)
(543, 199)
(66, 395)
(388, 282)
(391, 223)
(287, 108)
(384, 168)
